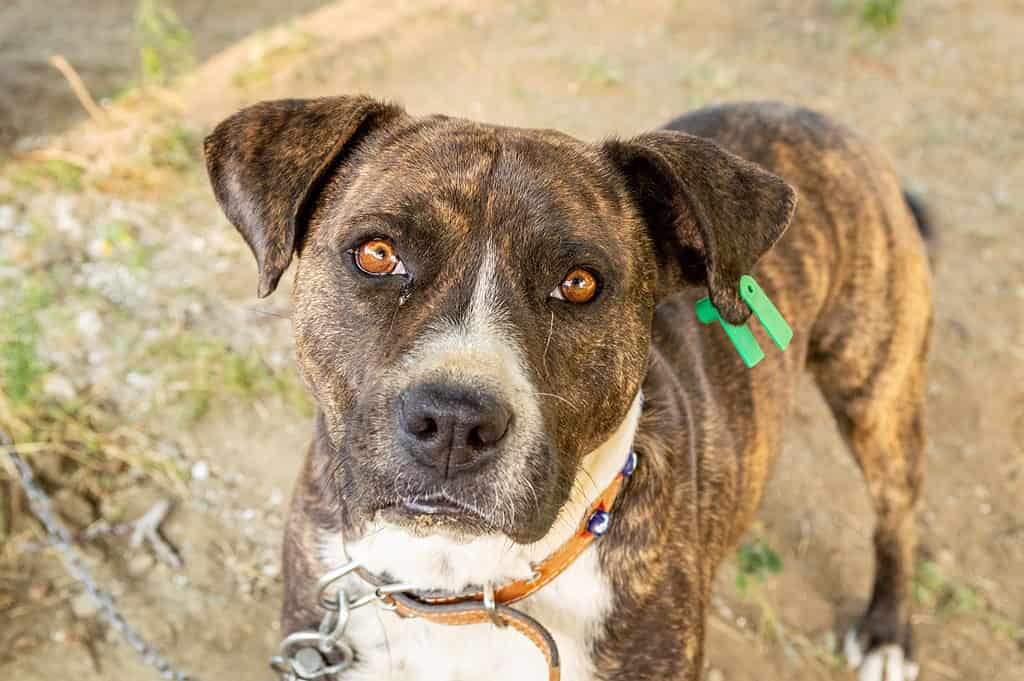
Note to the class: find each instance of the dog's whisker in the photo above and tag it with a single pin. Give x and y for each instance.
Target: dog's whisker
(547, 344)
(572, 405)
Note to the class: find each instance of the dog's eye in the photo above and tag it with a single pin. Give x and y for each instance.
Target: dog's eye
(378, 258)
(579, 286)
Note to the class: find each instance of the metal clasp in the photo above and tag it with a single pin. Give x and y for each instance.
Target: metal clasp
(491, 607)
(300, 654)
(328, 579)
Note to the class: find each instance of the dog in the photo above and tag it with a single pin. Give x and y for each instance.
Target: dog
(497, 326)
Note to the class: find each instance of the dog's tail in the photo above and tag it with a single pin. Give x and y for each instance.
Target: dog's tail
(925, 220)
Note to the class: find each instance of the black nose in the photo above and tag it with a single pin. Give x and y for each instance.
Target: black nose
(451, 429)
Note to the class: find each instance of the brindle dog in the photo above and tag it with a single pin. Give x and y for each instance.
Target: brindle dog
(476, 311)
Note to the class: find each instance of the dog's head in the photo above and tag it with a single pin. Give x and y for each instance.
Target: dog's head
(473, 304)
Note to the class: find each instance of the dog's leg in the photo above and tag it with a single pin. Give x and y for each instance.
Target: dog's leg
(878, 406)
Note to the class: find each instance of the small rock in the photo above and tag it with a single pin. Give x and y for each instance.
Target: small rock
(58, 636)
(715, 675)
(139, 381)
(270, 570)
(1001, 198)
(25, 642)
(7, 216)
(58, 387)
(38, 591)
(200, 471)
(140, 564)
(89, 323)
(84, 606)
(65, 220)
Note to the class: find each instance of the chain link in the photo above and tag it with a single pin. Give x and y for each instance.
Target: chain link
(304, 655)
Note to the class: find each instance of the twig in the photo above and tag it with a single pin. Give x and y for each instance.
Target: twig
(78, 87)
(147, 528)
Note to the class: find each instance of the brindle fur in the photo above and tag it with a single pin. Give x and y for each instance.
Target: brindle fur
(664, 218)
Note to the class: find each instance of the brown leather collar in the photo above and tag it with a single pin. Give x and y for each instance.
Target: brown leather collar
(492, 605)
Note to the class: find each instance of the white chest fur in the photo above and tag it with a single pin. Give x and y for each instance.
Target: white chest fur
(573, 607)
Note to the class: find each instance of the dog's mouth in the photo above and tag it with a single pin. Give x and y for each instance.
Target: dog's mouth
(427, 513)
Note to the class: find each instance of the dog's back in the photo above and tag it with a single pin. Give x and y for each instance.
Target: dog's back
(851, 276)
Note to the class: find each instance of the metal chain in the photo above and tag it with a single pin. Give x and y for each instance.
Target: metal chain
(304, 655)
(61, 538)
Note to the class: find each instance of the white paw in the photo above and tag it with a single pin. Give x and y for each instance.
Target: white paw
(887, 663)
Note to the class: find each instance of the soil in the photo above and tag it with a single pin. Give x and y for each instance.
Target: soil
(942, 92)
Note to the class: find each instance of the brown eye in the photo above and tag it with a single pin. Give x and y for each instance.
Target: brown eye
(579, 286)
(378, 257)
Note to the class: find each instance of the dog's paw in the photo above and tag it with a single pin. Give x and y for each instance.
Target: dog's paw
(883, 663)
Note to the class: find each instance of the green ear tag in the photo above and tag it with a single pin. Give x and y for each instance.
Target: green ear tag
(769, 315)
(742, 338)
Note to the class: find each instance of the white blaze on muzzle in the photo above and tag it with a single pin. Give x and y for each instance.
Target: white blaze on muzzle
(481, 349)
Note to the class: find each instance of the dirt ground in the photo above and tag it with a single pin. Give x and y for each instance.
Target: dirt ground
(942, 92)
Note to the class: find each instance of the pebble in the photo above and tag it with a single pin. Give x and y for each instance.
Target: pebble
(64, 217)
(58, 387)
(84, 606)
(715, 675)
(139, 381)
(89, 323)
(200, 471)
(276, 497)
(38, 591)
(7, 216)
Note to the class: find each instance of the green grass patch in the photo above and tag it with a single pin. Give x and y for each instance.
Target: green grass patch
(932, 587)
(258, 70)
(165, 44)
(948, 597)
(601, 71)
(177, 148)
(21, 368)
(205, 370)
(46, 174)
(881, 15)
(755, 562)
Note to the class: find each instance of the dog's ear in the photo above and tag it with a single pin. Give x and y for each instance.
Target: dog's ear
(711, 214)
(268, 162)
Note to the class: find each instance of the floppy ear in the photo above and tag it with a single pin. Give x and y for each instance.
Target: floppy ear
(711, 214)
(268, 162)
